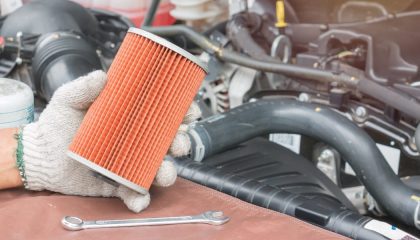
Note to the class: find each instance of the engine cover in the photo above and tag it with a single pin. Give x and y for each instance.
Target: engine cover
(264, 164)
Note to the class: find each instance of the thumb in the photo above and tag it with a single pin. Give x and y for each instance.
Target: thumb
(82, 92)
(136, 202)
(181, 145)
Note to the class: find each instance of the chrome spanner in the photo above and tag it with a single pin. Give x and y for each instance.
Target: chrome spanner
(210, 217)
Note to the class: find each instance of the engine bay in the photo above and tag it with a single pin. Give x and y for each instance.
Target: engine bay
(310, 108)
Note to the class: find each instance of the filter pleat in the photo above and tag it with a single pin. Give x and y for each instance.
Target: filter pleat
(121, 153)
(97, 137)
(91, 133)
(139, 132)
(157, 112)
(122, 141)
(111, 138)
(164, 130)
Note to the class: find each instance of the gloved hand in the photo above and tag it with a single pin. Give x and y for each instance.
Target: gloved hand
(45, 142)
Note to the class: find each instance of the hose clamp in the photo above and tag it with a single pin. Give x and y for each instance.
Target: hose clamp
(197, 147)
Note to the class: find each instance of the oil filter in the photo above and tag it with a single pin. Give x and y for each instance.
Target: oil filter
(16, 103)
(129, 128)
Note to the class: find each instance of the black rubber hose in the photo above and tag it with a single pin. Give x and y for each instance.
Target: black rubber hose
(399, 101)
(291, 15)
(239, 32)
(151, 13)
(176, 30)
(245, 122)
(288, 69)
(273, 66)
(417, 137)
(321, 211)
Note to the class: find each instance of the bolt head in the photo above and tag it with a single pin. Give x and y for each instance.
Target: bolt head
(326, 156)
(304, 97)
(361, 112)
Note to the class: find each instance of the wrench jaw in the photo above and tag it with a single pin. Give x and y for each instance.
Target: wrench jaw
(72, 223)
(214, 218)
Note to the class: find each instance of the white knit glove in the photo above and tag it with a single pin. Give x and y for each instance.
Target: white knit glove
(45, 143)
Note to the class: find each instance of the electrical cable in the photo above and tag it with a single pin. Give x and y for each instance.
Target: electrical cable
(151, 13)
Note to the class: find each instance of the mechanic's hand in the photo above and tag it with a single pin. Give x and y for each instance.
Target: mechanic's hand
(45, 143)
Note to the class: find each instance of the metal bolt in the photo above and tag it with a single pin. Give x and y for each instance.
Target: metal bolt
(361, 112)
(326, 156)
(19, 61)
(304, 97)
(327, 164)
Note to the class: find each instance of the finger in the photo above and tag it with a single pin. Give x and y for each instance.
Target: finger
(193, 114)
(136, 202)
(82, 92)
(166, 174)
(183, 128)
(181, 145)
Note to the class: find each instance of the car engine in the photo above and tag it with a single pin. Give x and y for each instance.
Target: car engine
(310, 108)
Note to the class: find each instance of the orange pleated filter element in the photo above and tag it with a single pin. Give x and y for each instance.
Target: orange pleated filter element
(128, 130)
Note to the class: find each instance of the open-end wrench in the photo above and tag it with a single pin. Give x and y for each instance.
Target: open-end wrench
(210, 217)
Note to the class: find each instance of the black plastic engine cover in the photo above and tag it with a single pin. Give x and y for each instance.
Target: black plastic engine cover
(266, 166)
(270, 176)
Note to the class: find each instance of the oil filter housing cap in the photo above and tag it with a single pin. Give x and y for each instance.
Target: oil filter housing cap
(16, 103)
